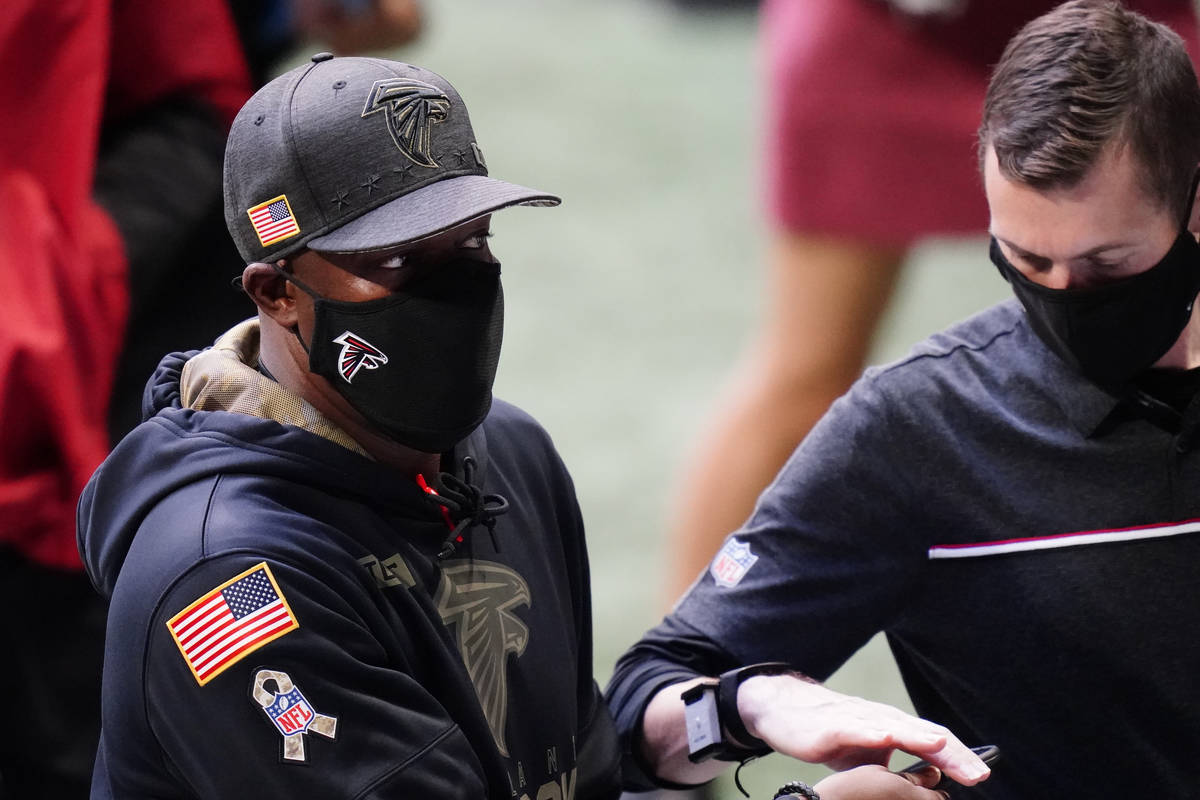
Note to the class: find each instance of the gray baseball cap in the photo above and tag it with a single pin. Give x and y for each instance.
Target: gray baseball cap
(355, 154)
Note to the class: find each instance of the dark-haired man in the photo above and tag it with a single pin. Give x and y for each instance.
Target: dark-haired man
(1014, 503)
(336, 567)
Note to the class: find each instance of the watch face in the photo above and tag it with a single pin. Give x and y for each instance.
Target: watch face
(703, 722)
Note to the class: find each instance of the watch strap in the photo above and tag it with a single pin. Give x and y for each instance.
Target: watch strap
(727, 707)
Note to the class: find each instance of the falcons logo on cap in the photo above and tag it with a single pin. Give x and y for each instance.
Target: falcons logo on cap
(357, 353)
(411, 109)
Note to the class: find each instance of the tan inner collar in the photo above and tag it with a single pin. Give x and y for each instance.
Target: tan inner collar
(226, 378)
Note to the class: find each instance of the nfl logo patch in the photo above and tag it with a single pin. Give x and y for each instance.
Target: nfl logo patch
(732, 563)
(291, 713)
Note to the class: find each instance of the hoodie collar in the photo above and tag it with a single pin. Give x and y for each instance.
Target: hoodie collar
(226, 378)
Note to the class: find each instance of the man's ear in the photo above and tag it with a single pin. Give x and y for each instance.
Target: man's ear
(270, 292)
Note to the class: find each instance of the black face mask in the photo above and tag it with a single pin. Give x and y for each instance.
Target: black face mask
(418, 364)
(1111, 333)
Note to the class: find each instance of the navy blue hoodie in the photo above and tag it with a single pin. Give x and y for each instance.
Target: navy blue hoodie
(281, 624)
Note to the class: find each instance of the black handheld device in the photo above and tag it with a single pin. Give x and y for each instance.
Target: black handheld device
(987, 754)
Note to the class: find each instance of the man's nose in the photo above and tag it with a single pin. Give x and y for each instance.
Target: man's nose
(1059, 277)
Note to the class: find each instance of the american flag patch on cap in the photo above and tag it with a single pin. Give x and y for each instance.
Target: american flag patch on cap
(231, 621)
(273, 220)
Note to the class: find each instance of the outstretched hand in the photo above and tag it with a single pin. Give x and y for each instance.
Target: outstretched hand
(809, 722)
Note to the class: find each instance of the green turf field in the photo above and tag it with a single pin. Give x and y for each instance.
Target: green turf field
(628, 304)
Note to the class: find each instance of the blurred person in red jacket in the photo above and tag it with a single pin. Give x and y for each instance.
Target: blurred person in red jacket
(114, 114)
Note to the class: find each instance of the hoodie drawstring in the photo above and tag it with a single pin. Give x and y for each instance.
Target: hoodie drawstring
(461, 498)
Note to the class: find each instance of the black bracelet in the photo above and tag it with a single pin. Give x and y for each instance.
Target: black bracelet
(797, 789)
(727, 707)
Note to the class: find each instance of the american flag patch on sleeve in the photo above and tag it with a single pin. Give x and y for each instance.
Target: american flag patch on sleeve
(231, 621)
(273, 220)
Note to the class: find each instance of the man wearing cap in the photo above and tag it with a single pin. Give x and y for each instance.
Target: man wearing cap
(336, 567)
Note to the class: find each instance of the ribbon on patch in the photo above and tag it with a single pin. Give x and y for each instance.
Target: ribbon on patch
(290, 713)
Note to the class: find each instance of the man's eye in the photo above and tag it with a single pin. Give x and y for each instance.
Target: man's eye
(476, 242)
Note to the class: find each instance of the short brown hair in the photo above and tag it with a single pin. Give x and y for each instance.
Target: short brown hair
(1087, 74)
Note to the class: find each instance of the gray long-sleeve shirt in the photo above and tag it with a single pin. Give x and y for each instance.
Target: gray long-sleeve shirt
(1027, 542)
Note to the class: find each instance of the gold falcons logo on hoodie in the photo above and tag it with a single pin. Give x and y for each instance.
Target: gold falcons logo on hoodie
(479, 598)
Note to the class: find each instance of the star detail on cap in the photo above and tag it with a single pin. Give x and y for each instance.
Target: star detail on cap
(463, 158)
(342, 199)
(371, 184)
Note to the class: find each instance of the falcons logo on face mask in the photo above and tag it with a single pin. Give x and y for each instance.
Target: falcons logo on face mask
(411, 109)
(356, 354)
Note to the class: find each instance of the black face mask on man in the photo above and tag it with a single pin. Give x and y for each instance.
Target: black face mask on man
(418, 364)
(1111, 333)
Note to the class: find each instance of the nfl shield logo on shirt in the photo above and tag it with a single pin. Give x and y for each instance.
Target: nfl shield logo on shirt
(732, 563)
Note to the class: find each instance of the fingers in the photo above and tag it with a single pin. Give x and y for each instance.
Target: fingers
(876, 783)
(927, 777)
(904, 732)
(867, 725)
(873, 730)
(957, 761)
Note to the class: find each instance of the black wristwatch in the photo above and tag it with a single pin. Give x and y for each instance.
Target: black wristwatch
(711, 712)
